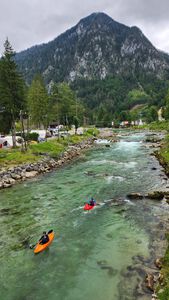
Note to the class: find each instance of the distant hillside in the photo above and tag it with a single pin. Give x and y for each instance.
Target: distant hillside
(103, 61)
(96, 47)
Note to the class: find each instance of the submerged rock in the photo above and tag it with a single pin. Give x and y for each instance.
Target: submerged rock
(157, 195)
(89, 173)
(135, 196)
(104, 266)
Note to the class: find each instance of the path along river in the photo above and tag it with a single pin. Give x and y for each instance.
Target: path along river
(92, 252)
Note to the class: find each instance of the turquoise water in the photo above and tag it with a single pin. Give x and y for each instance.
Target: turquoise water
(90, 255)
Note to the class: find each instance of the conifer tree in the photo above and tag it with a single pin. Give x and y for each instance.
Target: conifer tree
(11, 89)
(38, 102)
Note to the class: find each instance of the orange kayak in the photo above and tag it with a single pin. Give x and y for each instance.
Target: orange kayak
(39, 248)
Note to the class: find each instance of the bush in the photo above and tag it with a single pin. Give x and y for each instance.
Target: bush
(32, 136)
(92, 131)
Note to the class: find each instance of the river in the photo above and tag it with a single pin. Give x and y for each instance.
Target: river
(94, 254)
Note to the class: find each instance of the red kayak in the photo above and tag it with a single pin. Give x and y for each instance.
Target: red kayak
(88, 206)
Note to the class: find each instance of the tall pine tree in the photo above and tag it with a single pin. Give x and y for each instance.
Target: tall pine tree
(11, 90)
(38, 102)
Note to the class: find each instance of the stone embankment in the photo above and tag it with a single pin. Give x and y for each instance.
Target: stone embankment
(20, 173)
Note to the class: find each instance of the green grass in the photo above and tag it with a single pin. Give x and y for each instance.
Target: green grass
(52, 148)
(15, 157)
(158, 126)
(164, 151)
(164, 295)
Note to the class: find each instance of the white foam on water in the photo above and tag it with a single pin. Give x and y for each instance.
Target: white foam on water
(128, 201)
(77, 208)
(109, 179)
(99, 162)
(128, 146)
(130, 164)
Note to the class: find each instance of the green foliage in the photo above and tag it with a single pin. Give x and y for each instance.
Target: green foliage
(164, 295)
(137, 96)
(12, 90)
(158, 126)
(38, 103)
(32, 136)
(166, 112)
(52, 148)
(15, 157)
(65, 105)
(164, 152)
(76, 122)
(112, 98)
(149, 114)
(92, 132)
(5, 122)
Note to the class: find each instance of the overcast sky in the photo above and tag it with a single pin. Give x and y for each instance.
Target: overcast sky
(30, 22)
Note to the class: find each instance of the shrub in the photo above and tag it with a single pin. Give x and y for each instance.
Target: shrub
(32, 136)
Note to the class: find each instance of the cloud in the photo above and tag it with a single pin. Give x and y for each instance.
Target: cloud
(27, 23)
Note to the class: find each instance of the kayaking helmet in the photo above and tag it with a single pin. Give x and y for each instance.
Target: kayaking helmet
(44, 232)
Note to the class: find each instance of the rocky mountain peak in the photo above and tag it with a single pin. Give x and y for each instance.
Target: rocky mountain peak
(94, 48)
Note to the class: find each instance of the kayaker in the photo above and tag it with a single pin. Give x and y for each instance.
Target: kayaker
(44, 238)
(92, 202)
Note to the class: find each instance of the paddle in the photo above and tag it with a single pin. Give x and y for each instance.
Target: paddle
(32, 246)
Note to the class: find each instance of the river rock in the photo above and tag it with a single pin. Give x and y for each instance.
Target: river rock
(11, 180)
(149, 281)
(154, 297)
(156, 195)
(15, 176)
(158, 263)
(7, 185)
(135, 196)
(161, 279)
(31, 174)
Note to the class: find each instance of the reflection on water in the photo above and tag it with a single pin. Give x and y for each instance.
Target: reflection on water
(92, 254)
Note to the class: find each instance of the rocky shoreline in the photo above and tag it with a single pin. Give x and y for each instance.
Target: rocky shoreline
(153, 278)
(20, 173)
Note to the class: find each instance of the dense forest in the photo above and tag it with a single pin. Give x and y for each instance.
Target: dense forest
(84, 101)
(122, 98)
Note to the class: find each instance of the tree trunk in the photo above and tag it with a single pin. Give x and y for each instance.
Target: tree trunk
(24, 145)
(13, 133)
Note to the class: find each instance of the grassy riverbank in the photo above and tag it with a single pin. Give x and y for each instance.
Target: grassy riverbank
(52, 148)
(163, 288)
(157, 126)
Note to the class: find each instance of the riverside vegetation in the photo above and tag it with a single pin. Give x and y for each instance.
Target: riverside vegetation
(163, 157)
(40, 158)
(163, 288)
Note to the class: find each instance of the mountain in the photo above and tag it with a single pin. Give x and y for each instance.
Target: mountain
(95, 48)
